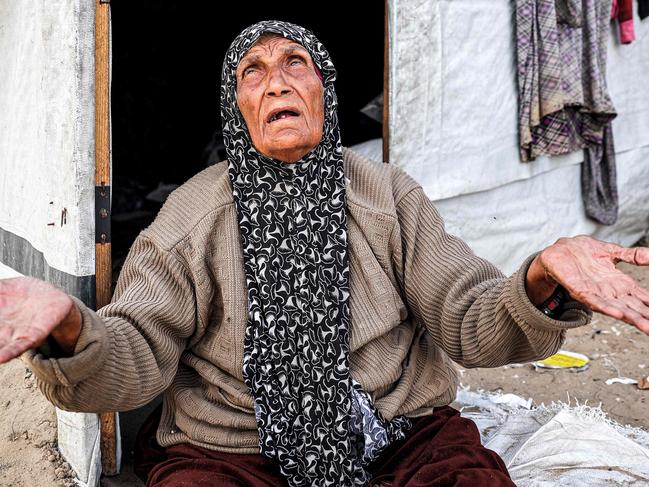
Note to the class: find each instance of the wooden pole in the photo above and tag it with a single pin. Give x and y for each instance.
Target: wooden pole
(103, 265)
(386, 83)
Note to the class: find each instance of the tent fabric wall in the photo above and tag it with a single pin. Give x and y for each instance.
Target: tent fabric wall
(47, 169)
(47, 142)
(508, 223)
(453, 127)
(453, 96)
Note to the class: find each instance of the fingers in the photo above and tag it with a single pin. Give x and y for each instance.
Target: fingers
(641, 294)
(13, 348)
(628, 309)
(12, 344)
(636, 305)
(633, 255)
(636, 319)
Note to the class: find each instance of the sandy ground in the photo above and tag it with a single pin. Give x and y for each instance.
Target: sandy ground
(28, 455)
(615, 349)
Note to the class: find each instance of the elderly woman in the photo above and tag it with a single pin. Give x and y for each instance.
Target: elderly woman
(299, 305)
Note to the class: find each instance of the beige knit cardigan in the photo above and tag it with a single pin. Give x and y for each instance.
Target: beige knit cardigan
(419, 299)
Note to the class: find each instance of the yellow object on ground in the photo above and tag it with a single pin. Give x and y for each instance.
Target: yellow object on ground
(564, 360)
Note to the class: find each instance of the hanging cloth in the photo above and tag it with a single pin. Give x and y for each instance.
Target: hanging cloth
(564, 104)
(312, 417)
(622, 11)
(599, 181)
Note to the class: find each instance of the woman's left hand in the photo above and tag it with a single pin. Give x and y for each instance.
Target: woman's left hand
(585, 267)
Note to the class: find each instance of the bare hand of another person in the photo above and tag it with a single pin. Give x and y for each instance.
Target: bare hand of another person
(31, 310)
(585, 267)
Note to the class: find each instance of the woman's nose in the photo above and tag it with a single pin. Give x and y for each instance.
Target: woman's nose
(277, 84)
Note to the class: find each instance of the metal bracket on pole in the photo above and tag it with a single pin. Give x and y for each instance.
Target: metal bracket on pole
(102, 214)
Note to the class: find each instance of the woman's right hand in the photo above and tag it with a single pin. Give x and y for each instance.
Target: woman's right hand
(30, 311)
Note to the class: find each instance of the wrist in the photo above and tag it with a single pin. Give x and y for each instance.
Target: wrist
(539, 286)
(66, 334)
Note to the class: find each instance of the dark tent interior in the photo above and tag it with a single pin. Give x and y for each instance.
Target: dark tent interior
(166, 63)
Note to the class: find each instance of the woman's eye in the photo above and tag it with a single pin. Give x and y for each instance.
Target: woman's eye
(295, 61)
(248, 70)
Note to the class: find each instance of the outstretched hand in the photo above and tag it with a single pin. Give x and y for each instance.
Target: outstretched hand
(585, 267)
(31, 310)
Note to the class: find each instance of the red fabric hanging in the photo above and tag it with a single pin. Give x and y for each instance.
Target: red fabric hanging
(622, 10)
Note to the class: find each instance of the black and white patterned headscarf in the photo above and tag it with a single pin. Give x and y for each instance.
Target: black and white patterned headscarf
(318, 423)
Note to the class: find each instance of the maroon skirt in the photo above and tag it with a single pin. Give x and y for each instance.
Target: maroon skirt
(442, 449)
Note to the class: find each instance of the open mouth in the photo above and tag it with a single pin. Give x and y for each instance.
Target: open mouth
(281, 115)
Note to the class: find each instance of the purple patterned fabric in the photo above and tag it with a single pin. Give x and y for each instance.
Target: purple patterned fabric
(564, 103)
(599, 181)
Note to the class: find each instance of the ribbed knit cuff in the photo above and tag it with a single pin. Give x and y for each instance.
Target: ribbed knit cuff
(89, 354)
(574, 314)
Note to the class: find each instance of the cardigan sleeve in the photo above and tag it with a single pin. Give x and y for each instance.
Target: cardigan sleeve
(479, 317)
(128, 352)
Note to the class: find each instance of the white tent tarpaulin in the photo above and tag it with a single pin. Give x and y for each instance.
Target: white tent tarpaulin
(47, 168)
(47, 141)
(454, 128)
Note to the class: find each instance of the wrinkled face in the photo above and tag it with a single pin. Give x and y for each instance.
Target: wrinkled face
(281, 98)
